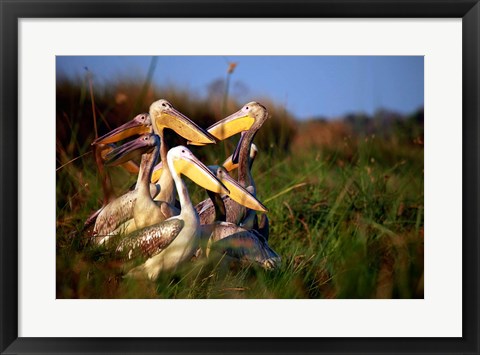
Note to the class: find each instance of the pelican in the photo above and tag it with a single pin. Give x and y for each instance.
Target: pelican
(237, 243)
(164, 115)
(175, 240)
(246, 121)
(249, 240)
(145, 211)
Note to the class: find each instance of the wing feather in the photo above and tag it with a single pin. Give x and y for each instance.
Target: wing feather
(151, 240)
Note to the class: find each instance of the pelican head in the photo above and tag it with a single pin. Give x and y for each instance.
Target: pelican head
(130, 150)
(164, 115)
(140, 124)
(238, 193)
(182, 160)
(250, 117)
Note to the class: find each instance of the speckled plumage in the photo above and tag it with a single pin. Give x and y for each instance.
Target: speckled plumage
(115, 213)
(151, 240)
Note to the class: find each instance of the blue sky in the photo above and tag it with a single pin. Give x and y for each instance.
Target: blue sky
(309, 86)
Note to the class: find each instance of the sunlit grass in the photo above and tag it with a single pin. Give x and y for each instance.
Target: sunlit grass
(346, 226)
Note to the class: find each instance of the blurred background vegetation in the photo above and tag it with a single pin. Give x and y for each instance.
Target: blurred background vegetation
(345, 196)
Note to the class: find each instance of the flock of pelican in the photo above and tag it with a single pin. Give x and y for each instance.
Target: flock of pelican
(147, 223)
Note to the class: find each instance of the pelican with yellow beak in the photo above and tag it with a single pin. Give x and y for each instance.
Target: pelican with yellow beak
(146, 211)
(168, 244)
(236, 243)
(241, 243)
(246, 121)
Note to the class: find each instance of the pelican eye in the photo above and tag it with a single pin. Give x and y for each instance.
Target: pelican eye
(183, 150)
(164, 104)
(246, 108)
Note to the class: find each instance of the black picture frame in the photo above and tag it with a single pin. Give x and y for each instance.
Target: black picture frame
(11, 11)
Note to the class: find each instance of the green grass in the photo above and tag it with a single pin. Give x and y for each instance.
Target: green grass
(346, 226)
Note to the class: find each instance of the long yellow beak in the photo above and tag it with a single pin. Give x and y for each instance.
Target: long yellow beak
(240, 194)
(182, 125)
(123, 132)
(229, 126)
(199, 174)
(229, 165)
(157, 172)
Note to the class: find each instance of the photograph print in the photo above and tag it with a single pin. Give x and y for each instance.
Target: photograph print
(239, 177)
